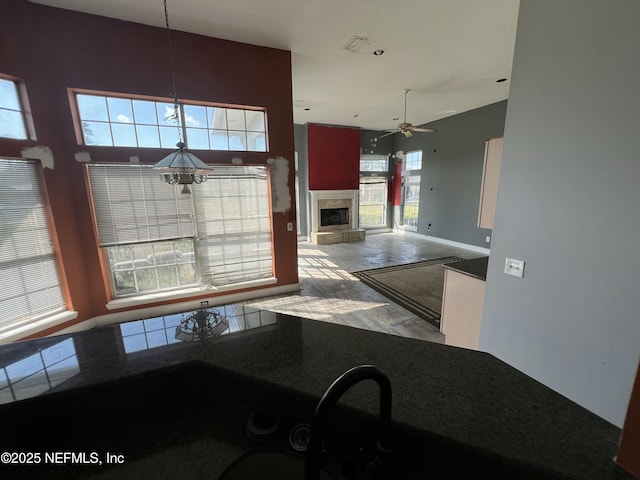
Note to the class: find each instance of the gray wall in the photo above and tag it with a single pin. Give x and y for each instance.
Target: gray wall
(452, 160)
(452, 170)
(370, 142)
(300, 147)
(569, 204)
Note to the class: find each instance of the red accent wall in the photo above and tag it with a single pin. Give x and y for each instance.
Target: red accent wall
(397, 184)
(53, 50)
(333, 154)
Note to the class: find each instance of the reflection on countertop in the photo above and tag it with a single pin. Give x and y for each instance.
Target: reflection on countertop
(475, 267)
(459, 396)
(32, 368)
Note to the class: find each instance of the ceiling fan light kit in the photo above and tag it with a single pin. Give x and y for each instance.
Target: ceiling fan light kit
(405, 127)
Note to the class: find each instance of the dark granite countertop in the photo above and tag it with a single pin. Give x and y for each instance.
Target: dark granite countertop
(475, 267)
(463, 397)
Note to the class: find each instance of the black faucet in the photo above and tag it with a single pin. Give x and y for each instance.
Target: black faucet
(330, 398)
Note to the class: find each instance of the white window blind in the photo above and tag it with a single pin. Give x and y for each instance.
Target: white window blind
(374, 163)
(132, 205)
(28, 270)
(140, 220)
(233, 242)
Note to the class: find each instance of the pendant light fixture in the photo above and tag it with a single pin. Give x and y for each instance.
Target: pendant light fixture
(179, 167)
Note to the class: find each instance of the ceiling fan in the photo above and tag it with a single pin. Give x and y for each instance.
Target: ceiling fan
(405, 128)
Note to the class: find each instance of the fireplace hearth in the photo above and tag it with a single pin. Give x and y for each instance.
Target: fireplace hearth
(334, 216)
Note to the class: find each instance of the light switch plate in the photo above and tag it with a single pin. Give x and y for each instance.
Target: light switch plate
(514, 267)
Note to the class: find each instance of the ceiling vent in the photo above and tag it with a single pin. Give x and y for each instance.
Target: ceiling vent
(355, 42)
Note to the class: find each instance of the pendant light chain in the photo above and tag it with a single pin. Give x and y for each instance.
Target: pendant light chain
(176, 112)
(179, 167)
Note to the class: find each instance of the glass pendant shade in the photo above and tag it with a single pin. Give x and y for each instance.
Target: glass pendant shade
(200, 325)
(182, 168)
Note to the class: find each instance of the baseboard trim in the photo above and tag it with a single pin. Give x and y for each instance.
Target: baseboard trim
(141, 300)
(444, 241)
(375, 231)
(158, 311)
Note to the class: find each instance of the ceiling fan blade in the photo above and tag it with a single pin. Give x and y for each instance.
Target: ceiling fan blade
(389, 132)
(406, 128)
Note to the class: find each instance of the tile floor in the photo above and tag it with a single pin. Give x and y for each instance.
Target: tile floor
(330, 293)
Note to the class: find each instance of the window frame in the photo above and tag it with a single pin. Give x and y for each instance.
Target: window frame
(25, 108)
(141, 298)
(407, 174)
(67, 307)
(80, 140)
(382, 176)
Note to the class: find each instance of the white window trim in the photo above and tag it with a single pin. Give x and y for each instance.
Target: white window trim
(12, 333)
(139, 300)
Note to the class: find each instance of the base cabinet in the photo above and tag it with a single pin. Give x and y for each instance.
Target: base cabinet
(462, 303)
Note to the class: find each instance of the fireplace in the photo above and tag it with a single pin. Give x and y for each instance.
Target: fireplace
(334, 216)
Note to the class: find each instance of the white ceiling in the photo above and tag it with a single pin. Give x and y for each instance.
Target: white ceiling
(448, 52)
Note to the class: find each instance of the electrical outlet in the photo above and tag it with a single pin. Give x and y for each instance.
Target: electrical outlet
(514, 267)
(289, 226)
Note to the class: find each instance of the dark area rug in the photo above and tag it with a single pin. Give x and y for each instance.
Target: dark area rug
(415, 286)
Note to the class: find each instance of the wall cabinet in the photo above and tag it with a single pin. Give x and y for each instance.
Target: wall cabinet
(462, 303)
(490, 176)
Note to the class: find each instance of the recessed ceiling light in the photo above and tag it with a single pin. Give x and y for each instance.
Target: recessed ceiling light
(307, 109)
(500, 80)
(396, 119)
(378, 52)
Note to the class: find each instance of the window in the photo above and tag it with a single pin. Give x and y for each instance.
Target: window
(28, 266)
(233, 225)
(374, 176)
(157, 239)
(411, 176)
(374, 163)
(413, 161)
(12, 112)
(127, 122)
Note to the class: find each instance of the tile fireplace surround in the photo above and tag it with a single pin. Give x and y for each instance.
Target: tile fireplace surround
(334, 199)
